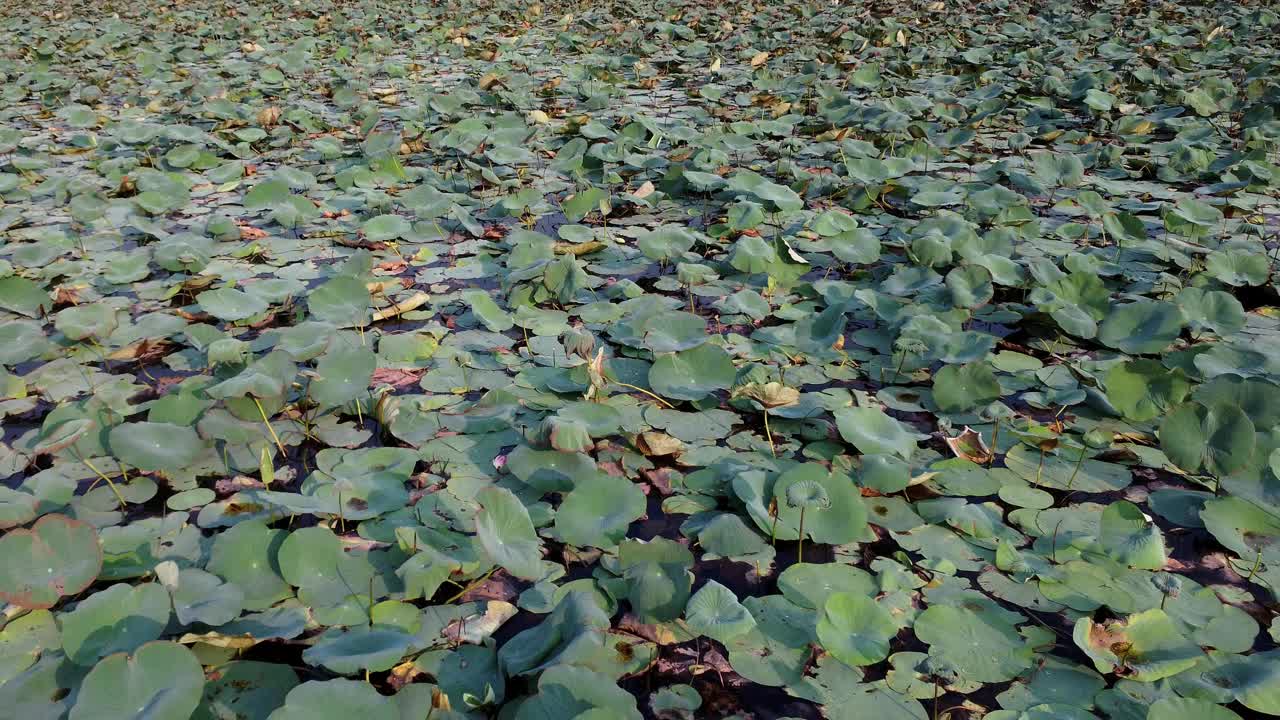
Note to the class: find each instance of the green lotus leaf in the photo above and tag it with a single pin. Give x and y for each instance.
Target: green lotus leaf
(778, 650)
(599, 510)
(884, 473)
(772, 194)
(1244, 527)
(246, 556)
(160, 681)
(1214, 310)
(267, 194)
(348, 652)
(753, 254)
(714, 611)
(1253, 680)
(855, 628)
(810, 584)
(202, 597)
(343, 374)
(678, 702)
(506, 533)
(21, 340)
(673, 332)
(581, 204)
(230, 304)
(1188, 709)
(872, 432)
(565, 691)
(1130, 537)
(343, 301)
(385, 227)
(577, 622)
(246, 689)
(1238, 267)
(57, 556)
(493, 317)
(666, 242)
(1219, 438)
(120, 618)
(728, 535)
(842, 520)
(334, 700)
(958, 388)
(24, 297)
(155, 446)
(1145, 389)
(970, 285)
(657, 577)
(1142, 327)
(549, 470)
(983, 646)
(692, 374)
(23, 640)
(86, 321)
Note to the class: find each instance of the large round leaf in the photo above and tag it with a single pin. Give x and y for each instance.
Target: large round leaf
(692, 374)
(246, 690)
(855, 628)
(666, 242)
(230, 304)
(982, 646)
(506, 533)
(1219, 438)
(842, 519)
(342, 301)
(873, 432)
(1145, 389)
(155, 446)
(358, 649)
(1130, 537)
(118, 619)
(599, 510)
(336, 700)
(344, 375)
(1141, 327)
(714, 611)
(58, 556)
(246, 555)
(161, 681)
(957, 388)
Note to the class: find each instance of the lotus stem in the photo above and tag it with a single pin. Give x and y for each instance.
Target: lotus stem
(270, 429)
(646, 392)
(1079, 463)
(115, 490)
(800, 547)
(773, 531)
(769, 434)
(995, 442)
(471, 585)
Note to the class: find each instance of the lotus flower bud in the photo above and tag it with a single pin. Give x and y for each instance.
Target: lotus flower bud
(579, 341)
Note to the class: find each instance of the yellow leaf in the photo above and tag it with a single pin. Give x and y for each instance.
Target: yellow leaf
(759, 59)
(581, 248)
(413, 303)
